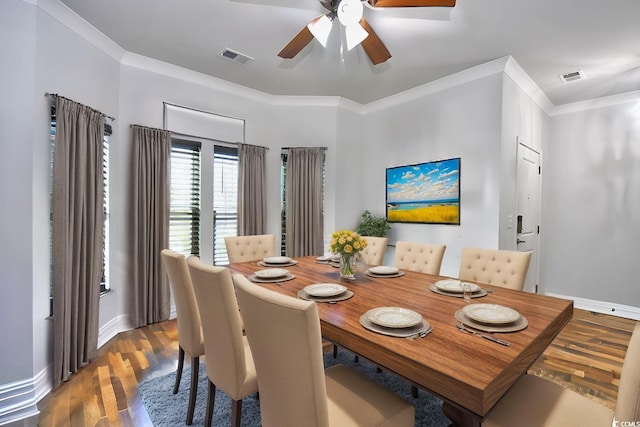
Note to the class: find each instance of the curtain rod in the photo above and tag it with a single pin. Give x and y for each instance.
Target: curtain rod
(55, 96)
(185, 135)
(289, 148)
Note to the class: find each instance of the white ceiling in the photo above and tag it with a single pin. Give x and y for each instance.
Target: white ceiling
(546, 37)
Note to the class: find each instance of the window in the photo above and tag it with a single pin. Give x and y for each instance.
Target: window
(225, 200)
(187, 186)
(104, 275)
(283, 205)
(184, 211)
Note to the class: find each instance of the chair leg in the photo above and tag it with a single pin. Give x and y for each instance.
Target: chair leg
(195, 367)
(414, 391)
(179, 371)
(356, 358)
(211, 398)
(335, 351)
(236, 412)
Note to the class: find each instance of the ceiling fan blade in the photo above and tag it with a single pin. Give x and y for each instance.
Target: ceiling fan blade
(299, 42)
(412, 3)
(376, 50)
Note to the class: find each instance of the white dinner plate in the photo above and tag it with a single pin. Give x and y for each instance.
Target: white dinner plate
(271, 273)
(490, 313)
(454, 286)
(325, 289)
(384, 270)
(276, 260)
(393, 317)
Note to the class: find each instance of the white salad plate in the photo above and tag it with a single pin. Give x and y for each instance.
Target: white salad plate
(393, 317)
(454, 286)
(324, 289)
(384, 270)
(271, 273)
(276, 260)
(490, 313)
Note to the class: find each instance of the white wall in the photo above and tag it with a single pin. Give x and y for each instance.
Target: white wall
(592, 204)
(522, 121)
(460, 121)
(17, 56)
(39, 55)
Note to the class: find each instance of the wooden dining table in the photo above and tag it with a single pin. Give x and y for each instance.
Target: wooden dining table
(469, 373)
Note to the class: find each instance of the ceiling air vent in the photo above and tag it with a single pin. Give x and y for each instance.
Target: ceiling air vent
(234, 56)
(571, 76)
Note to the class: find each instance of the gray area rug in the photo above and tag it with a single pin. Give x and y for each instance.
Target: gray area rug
(169, 410)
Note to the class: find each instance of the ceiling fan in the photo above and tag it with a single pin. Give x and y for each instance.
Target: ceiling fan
(357, 29)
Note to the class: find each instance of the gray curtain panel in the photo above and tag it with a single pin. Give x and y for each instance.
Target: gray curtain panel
(252, 196)
(150, 224)
(304, 191)
(77, 236)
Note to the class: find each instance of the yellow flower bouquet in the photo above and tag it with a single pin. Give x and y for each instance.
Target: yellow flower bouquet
(347, 243)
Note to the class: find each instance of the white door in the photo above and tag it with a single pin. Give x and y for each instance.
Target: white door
(528, 209)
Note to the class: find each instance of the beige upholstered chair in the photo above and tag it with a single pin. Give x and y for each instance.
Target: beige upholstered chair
(373, 254)
(229, 361)
(495, 267)
(250, 248)
(420, 257)
(295, 389)
(544, 403)
(190, 339)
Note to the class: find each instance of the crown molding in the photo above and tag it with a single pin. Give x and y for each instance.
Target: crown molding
(78, 25)
(515, 72)
(164, 68)
(318, 101)
(591, 104)
(474, 73)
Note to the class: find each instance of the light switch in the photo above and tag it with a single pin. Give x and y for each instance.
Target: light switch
(509, 221)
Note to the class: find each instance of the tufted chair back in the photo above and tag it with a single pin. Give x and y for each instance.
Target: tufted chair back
(250, 248)
(495, 267)
(421, 257)
(373, 254)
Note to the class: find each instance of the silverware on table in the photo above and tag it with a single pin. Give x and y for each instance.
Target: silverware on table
(421, 334)
(460, 326)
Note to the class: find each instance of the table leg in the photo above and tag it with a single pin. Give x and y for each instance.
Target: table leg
(460, 418)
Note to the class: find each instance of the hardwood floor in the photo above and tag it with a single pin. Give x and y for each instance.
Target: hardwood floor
(586, 356)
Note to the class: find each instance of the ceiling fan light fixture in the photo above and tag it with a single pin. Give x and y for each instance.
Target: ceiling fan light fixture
(320, 28)
(355, 34)
(350, 12)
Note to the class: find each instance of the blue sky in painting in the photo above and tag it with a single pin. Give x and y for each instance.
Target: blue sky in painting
(424, 182)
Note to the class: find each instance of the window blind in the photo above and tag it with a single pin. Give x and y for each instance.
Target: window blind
(184, 211)
(225, 200)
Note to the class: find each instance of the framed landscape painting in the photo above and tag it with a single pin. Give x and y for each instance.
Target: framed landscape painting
(424, 193)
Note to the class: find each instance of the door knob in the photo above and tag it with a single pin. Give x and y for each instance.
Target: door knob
(520, 241)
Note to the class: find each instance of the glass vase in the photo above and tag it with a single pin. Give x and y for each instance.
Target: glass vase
(348, 267)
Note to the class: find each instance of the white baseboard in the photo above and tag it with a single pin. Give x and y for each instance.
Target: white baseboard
(18, 401)
(603, 307)
(113, 327)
